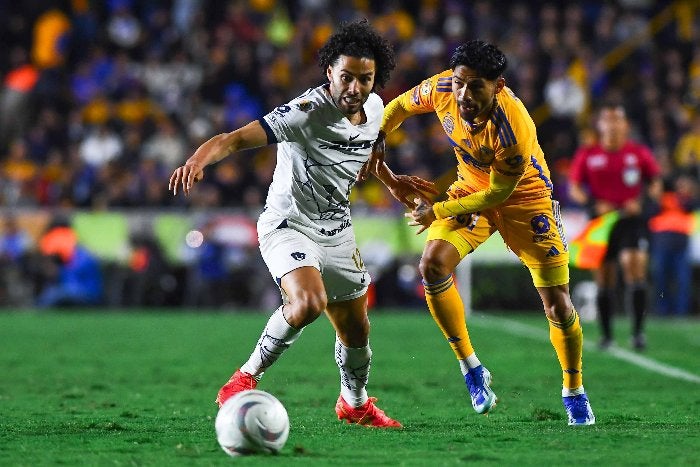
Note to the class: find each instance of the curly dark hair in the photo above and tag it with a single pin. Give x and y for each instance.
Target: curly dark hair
(359, 39)
(486, 59)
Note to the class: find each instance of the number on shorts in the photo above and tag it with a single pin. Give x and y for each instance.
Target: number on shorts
(468, 220)
(359, 264)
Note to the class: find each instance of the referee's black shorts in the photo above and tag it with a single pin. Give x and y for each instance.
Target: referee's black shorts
(628, 233)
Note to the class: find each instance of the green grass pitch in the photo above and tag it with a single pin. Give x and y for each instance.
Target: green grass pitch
(137, 389)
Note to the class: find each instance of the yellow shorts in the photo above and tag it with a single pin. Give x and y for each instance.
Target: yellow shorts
(533, 230)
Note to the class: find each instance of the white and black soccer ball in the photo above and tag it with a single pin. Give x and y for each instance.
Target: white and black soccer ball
(251, 422)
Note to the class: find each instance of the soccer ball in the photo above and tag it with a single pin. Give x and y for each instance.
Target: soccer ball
(250, 422)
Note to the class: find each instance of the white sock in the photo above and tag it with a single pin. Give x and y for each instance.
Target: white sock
(566, 392)
(277, 337)
(472, 361)
(354, 366)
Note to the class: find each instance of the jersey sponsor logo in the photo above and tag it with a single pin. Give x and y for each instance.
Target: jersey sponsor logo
(298, 255)
(448, 123)
(330, 233)
(471, 160)
(353, 138)
(346, 145)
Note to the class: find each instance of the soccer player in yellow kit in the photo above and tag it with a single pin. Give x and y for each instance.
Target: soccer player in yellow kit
(503, 184)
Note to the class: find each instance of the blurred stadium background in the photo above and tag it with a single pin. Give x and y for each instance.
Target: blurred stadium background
(100, 100)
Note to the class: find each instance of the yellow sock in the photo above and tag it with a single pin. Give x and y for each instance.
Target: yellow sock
(567, 339)
(447, 309)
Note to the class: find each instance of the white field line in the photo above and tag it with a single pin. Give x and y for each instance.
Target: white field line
(532, 332)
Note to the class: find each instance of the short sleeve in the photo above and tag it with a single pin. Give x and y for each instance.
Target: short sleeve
(285, 123)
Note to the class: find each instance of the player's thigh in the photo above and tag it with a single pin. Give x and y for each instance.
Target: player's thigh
(535, 233)
(295, 263)
(465, 232)
(634, 263)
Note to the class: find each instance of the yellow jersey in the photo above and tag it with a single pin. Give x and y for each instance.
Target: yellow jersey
(507, 143)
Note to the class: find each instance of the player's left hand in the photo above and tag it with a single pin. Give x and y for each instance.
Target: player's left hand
(407, 187)
(422, 215)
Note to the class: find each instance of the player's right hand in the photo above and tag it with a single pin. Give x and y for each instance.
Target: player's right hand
(376, 159)
(186, 176)
(422, 215)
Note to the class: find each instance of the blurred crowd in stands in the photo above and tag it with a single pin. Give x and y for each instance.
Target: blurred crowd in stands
(101, 100)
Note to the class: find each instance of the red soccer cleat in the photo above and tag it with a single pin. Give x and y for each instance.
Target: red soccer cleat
(367, 415)
(240, 381)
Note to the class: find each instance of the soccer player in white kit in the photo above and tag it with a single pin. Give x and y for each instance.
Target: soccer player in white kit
(306, 238)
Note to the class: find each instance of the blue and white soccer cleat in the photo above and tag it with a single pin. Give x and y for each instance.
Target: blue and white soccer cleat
(579, 410)
(478, 380)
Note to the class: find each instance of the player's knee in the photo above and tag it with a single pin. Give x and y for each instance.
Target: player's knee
(560, 309)
(306, 307)
(432, 269)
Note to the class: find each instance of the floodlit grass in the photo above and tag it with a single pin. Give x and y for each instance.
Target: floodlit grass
(108, 388)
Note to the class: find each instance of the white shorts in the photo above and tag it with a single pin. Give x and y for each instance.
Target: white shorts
(344, 274)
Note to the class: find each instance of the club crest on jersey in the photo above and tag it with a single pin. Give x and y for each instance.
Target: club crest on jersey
(448, 123)
(297, 255)
(283, 109)
(305, 106)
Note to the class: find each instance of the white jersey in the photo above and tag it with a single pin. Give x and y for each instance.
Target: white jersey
(319, 154)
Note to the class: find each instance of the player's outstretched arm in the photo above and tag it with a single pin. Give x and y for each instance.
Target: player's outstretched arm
(499, 189)
(213, 150)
